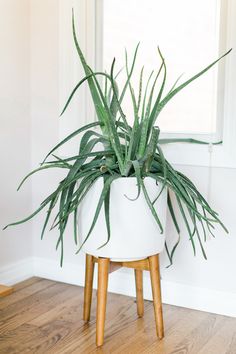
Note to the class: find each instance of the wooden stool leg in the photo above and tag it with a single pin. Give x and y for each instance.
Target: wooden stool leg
(103, 269)
(156, 293)
(88, 288)
(139, 291)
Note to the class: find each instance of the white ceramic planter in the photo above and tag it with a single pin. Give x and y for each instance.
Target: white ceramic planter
(134, 231)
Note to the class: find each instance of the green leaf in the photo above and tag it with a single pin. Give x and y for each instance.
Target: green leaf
(51, 206)
(172, 213)
(137, 170)
(152, 209)
(107, 214)
(100, 153)
(93, 89)
(145, 95)
(85, 139)
(28, 217)
(55, 165)
(115, 105)
(151, 148)
(191, 233)
(165, 171)
(152, 117)
(72, 135)
(146, 121)
(130, 74)
(104, 192)
(187, 140)
(186, 83)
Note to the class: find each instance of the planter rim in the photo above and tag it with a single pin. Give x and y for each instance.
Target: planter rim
(131, 177)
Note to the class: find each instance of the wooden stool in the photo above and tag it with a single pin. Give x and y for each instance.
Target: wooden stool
(105, 266)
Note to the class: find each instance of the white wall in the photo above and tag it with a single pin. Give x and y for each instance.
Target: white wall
(15, 242)
(192, 281)
(218, 271)
(45, 115)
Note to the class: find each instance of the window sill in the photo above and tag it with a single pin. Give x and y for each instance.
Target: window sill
(200, 155)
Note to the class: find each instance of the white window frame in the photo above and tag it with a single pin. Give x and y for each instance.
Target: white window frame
(89, 13)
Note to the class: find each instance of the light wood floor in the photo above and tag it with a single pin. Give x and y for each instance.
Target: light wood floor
(43, 316)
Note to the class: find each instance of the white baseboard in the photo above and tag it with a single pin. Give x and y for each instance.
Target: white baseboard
(16, 272)
(122, 282)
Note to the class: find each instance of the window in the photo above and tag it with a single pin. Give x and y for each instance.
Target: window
(211, 21)
(187, 33)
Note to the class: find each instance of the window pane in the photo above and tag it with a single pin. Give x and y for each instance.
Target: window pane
(187, 33)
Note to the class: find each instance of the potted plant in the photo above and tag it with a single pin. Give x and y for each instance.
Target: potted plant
(119, 185)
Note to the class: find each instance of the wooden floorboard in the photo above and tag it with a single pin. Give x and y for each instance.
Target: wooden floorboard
(5, 290)
(43, 316)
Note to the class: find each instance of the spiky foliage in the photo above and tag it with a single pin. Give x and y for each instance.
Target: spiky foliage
(127, 151)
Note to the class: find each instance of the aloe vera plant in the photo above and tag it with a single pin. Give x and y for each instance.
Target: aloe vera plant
(127, 151)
